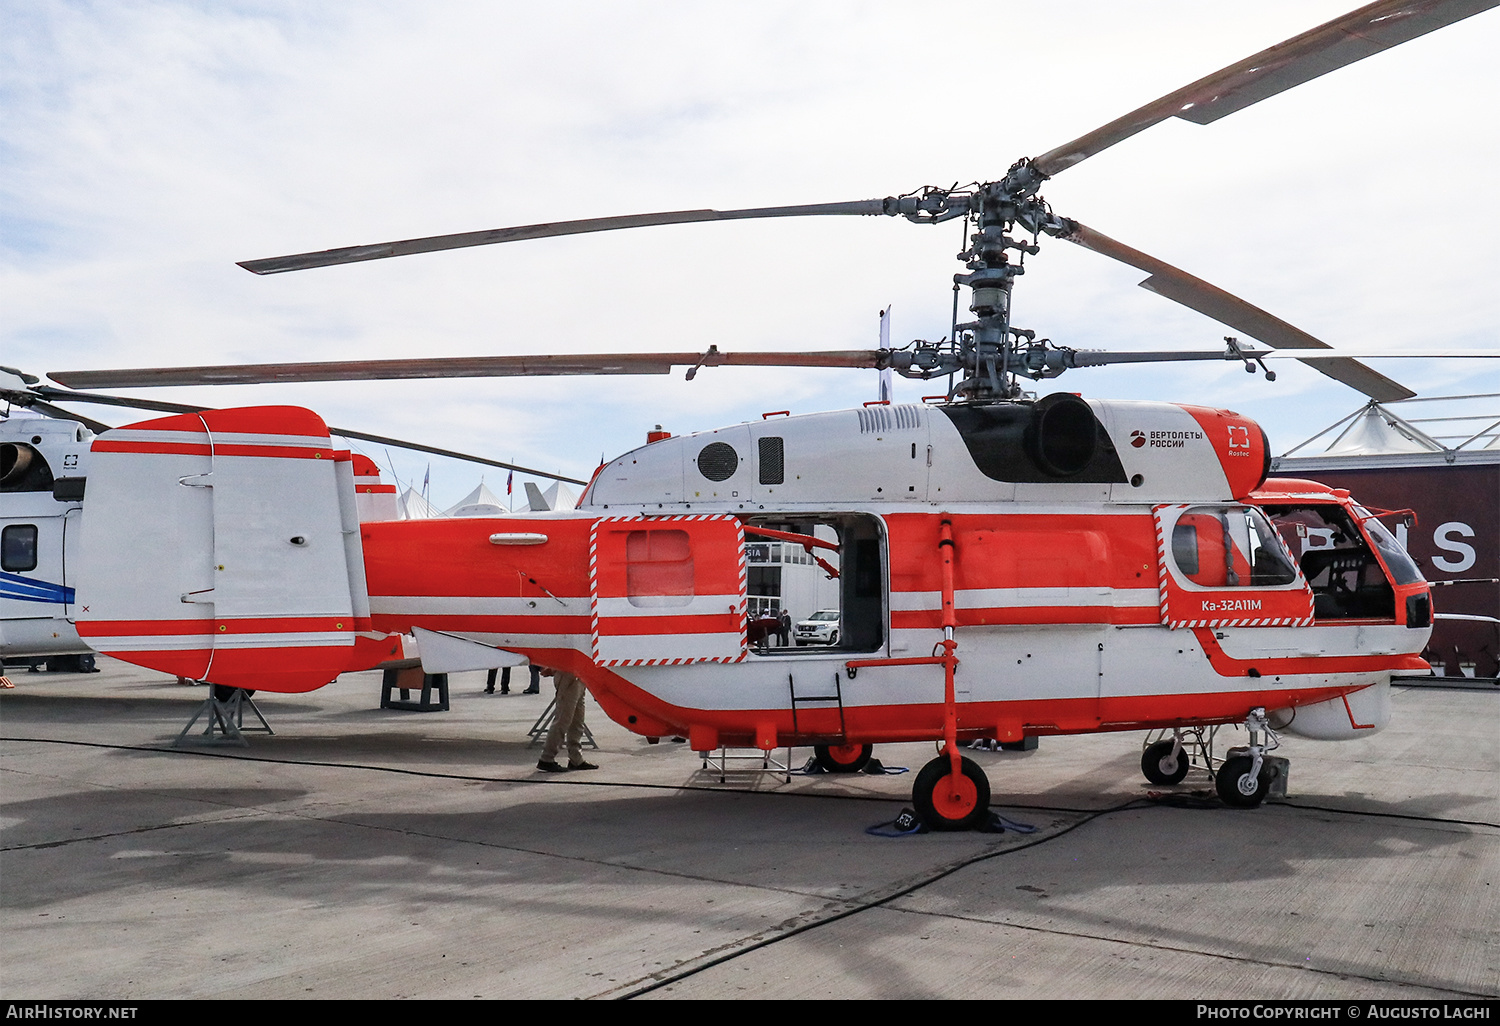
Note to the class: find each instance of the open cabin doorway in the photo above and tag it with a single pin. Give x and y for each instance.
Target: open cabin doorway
(815, 583)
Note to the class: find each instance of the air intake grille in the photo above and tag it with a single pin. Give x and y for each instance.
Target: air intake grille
(772, 460)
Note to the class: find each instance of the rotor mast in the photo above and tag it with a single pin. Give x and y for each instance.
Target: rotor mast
(984, 349)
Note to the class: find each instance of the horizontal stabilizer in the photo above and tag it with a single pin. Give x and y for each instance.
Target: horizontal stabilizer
(448, 653)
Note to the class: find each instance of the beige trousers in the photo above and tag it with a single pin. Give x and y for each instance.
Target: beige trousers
(568, 725)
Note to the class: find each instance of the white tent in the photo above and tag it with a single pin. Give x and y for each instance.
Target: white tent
(413, 505)
(1377, 431)
(481, 502)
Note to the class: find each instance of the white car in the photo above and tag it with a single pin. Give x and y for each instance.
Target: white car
(822, 628)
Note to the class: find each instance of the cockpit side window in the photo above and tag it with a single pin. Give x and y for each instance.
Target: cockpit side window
(1229, 547)
(1346, 578)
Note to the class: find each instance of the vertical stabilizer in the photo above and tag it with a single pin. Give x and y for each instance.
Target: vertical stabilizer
(224, 546)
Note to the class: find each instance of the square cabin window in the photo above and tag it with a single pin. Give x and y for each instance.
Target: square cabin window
(18, 547)
(658, 569)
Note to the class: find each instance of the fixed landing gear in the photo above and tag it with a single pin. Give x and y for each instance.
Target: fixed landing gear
(1190, 745)
(1248, 774)
(843, 758)
(948, 803)
(1165, 762)
(1240, 784)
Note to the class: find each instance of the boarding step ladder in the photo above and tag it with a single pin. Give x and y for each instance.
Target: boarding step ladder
(805, 699)
(718, 762)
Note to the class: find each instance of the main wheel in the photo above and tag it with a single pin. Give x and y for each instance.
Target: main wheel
(1161, 767)
(842, 758)
(948, 804)
(833, 639)
(1237, 787)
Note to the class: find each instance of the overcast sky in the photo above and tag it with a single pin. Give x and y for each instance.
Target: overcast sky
(145, 147)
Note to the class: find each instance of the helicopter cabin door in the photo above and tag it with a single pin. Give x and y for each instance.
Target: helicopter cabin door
(1225, 566)
(667, 590)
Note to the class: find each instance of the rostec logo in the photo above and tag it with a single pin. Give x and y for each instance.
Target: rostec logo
(1239, 444)
(1137, 439)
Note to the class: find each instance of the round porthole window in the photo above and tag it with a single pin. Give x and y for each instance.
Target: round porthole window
(718, 461)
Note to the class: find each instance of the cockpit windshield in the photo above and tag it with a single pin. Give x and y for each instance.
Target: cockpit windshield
(1400, 564)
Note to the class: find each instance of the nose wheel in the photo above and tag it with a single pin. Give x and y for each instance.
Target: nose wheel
(1240, 785)
(946, 802)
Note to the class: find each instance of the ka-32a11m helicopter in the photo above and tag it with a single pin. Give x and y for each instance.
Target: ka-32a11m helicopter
(1005, 566)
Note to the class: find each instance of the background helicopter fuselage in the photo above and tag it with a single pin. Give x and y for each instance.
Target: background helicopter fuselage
(42, 465)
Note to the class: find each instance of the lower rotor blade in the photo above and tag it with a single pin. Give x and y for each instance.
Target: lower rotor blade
(437, 243)
(1332, 45)
(161, 407)
(1196, 294)
(418, 447)
(455, 367)
(154, 405)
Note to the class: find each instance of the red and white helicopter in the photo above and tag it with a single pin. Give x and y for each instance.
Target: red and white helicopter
(1006, 567)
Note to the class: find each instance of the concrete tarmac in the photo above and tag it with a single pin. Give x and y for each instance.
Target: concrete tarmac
(361, 853)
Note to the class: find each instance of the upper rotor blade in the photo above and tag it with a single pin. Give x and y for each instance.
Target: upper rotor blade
(1316, 52)
(1196, 294)
(435, 243)
(457, 367)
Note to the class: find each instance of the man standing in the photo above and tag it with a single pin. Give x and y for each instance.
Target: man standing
(567, 725)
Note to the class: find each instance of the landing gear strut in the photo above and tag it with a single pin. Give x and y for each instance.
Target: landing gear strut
(1248, 775)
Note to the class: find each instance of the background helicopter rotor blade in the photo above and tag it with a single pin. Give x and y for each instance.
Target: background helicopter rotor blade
(32, 401)
(1196, 294)
(437, 243)
(1332, 45)
(29, 401)
(458, 367)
